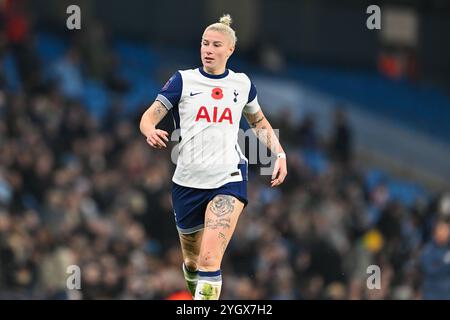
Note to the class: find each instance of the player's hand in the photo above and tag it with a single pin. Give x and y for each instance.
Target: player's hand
(279, 172)
(157, 137)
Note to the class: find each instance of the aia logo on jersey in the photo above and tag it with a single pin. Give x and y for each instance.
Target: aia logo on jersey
(203, 113)
(216, 116)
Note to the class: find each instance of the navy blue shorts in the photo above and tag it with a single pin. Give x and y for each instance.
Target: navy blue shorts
(190, 204)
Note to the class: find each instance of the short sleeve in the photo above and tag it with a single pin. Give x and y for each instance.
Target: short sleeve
(252, 105)
(170, 94)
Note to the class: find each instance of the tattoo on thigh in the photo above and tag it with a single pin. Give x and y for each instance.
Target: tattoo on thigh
(188, 237)
(218, 223)
(224, 241)
(189, 247)
(222, 205)
(189, 242)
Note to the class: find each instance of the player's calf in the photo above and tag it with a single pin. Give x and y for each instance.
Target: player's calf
(191, 278)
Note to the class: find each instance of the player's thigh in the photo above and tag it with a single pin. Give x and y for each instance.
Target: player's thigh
(221, 217)
(190, 245)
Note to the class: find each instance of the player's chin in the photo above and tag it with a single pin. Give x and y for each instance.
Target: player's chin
(208, 63)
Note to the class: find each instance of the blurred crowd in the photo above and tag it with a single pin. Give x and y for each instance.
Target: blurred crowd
(79, 190)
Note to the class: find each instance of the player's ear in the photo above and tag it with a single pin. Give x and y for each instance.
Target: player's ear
(230, 51)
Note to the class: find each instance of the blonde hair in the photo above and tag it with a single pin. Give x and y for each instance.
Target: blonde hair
(223, 26)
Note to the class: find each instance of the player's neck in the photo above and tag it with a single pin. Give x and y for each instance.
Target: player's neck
(214, 71)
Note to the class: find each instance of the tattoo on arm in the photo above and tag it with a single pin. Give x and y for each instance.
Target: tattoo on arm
(263, 130)
(160, 109)
(255, 123)
(151, 117)
(254, 119)
(265, 135)
(261, 127)
(269, 139)
(157, 112)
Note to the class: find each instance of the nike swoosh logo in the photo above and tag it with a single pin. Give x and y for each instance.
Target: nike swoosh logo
(194, 94)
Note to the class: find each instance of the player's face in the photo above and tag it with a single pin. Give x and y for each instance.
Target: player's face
(215, 50)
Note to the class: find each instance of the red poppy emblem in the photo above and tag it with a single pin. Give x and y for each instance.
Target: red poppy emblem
(217, 93)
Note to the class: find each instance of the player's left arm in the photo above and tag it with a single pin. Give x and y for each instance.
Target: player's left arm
(264, 132)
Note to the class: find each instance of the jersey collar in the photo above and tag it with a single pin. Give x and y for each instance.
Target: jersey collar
(213, 76)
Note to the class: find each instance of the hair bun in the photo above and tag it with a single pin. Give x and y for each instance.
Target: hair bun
(226, 19)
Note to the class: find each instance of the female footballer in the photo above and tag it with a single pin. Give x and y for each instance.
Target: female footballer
(209, 189)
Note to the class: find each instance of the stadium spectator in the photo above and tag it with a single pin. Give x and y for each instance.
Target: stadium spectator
(66, 74)
(435, 261)
(341, 142)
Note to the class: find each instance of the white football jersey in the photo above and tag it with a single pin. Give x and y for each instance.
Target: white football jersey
(207, 109)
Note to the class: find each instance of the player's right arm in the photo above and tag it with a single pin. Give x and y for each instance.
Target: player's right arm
(149, 120)
(167, 98)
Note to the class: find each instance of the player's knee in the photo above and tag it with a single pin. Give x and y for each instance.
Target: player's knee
(190, 264)
(209, 261)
